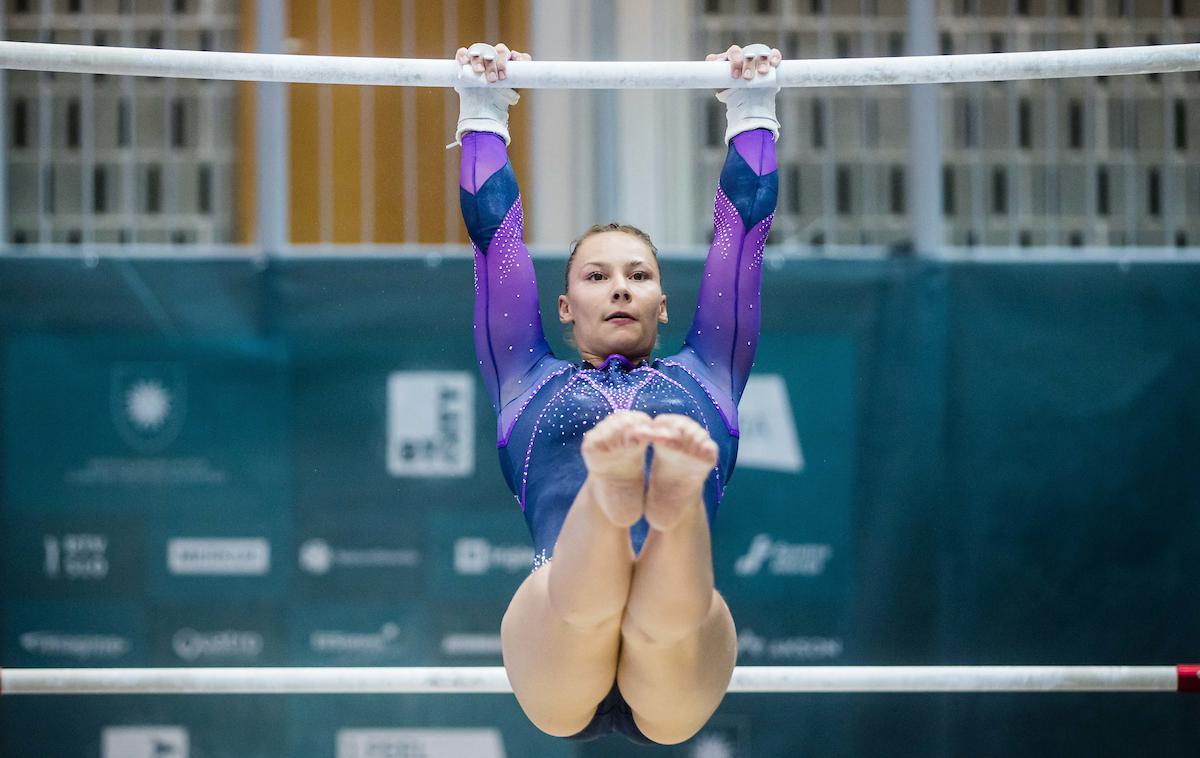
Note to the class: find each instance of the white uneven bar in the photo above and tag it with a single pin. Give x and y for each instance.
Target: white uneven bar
(183, 681)
(411, 72)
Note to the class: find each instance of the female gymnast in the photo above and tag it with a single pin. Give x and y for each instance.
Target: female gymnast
(619, 460)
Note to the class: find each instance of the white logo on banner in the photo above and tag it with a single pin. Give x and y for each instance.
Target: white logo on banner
(148, 401)
(431, 423)
(316, 557)
(475, 555)
(144, 742)
(468, 643)
(788, 648)
(75, 556)
(81, 646)
(239, 556)
(191, 645)
(784, 558)
(768, 428)
(319, 557)
(426, 743)
(334, 641)
(711, 746)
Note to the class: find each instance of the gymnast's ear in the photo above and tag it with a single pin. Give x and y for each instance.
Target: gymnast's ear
(662, 310)
(564, 311)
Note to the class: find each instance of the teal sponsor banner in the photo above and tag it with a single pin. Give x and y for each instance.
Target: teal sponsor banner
(360, 633)
(143, 424)
(478, 557)
(217, 634)
(144, 727)
(70, 634)
(432, 726)
(792, 634)
(388, 423)
(81, 554)
(218, 463)
(784, 528)
(218, 553)
(381, 554)
(468, 634)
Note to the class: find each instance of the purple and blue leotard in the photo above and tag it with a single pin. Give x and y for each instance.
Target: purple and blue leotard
(544, 405)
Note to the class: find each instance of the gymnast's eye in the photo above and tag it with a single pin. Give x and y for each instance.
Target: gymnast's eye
(639, 276)
(594, 276)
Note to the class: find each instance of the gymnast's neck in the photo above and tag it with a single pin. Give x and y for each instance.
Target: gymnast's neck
(596, 360)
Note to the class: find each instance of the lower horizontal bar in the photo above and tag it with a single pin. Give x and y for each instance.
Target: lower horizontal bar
(411, 72)
(362, 680)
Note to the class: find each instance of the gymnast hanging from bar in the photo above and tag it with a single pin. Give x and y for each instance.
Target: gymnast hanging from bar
(619, 459)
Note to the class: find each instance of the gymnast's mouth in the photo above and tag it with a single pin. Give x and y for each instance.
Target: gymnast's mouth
(619, 315)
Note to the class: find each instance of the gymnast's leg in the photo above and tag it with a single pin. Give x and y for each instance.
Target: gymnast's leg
(679, 645)
(562, 631)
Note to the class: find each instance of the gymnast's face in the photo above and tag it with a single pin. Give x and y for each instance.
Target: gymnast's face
(614, 300)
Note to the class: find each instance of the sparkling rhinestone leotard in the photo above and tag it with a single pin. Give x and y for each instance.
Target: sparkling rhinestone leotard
(544, 405)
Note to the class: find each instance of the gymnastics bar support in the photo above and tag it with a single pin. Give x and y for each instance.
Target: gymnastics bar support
(813, 679)
(408, 72)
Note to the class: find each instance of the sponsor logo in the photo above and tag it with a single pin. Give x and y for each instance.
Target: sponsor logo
(426, 743)
(192, 645)
(319, 557)
(75, 556)
(465, 643)
(475, 555)
(712, 746)
(333, 641)
(144, 742)
(721, 737)
(242, 556)
(788, 648)
(768, 429)
(430, 423)
(81, 646)
(160, 471)
(148, 402)
(783, 558)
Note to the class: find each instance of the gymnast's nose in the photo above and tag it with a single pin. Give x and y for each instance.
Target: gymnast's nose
(620, 291)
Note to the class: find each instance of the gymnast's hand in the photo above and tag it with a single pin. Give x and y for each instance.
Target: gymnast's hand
(749, 108)
(746, 62)
(489, 60)
(485, 109)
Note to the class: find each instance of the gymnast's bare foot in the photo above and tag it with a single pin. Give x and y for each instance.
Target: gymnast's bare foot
(615, 454)
(684, 457)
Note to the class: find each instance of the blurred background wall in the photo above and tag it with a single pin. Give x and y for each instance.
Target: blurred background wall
(1100, 162)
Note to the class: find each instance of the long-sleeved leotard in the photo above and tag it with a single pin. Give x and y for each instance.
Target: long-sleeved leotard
(544, 405)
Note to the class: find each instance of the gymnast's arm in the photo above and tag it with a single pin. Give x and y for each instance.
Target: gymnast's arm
(724, 332)
(509, 342)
